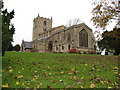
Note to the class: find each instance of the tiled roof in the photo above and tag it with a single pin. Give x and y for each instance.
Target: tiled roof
(28, 45)
(44, 37)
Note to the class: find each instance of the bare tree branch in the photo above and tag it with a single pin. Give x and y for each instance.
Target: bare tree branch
(74, 21)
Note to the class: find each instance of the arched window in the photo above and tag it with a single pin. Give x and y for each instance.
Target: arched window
(68, 38)
(44, 23)
(62, 47)
(68, 46)
(56, 48)
(83, 38)
(50, 46)
(44, 29)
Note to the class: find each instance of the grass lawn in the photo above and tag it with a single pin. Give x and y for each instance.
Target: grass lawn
(48, 70)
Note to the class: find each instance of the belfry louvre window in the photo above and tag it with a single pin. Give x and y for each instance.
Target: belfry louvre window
(83, 38)
(44, 22)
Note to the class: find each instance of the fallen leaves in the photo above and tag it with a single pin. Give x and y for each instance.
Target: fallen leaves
(82, 86)
(6, 85)
(22, 68)
(92, 85)
(11, 70)
(48, 67)
(62, 72)
(38, 86)
(115, 70)
(17, 83)
(102, 82)
(19, 63)
(61, 80)
(33, 79)
(17, 77)
(48, 86)
(71, 77)
(23, 84)
(52, 81)
(20, 76)
(19, 72)
(78, 82)
(9, 67)
(68, 86)
(69, 73)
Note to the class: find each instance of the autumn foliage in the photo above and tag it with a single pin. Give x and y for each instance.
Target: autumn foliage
(103, 12)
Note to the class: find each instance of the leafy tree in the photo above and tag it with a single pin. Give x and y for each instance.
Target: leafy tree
(104, 11)
(111, 41)
(17, 47)
(7, 29)
(10, 47)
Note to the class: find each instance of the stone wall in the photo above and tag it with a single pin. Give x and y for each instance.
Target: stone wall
(58, 39)
(64, 39)
(40, 25)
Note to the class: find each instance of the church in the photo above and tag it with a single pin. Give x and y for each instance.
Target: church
(61, 39)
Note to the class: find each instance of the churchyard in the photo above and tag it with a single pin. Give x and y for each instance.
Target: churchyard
(52, 70)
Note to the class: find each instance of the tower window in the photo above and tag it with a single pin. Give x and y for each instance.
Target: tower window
(44, 23)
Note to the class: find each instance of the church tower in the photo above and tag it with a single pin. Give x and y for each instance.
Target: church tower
(40, 25)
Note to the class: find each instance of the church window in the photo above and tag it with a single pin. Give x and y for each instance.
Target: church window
(44, 23)
(56, 48)
(68, 38)
(83, 38)
(36, 45)
(44, 29)
(62, 47)
(68, 46)
(64, 34)
(50, 46)
(60, 36)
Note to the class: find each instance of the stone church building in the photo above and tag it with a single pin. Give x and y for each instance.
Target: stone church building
(61, 39)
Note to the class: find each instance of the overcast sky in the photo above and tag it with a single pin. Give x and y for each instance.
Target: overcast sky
(60, 10)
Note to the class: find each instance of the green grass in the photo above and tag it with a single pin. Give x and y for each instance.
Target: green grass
(48, 70)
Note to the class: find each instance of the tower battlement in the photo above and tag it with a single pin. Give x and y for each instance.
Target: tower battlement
(40, 25)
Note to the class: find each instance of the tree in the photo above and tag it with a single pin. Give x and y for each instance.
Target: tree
(0, 29)
(74, 21)
(17, 47)
(111, 41)
(104, 12)
(7, 29)
(10, 47)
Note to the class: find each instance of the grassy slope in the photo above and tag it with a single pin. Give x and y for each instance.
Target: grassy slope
(21, 69)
